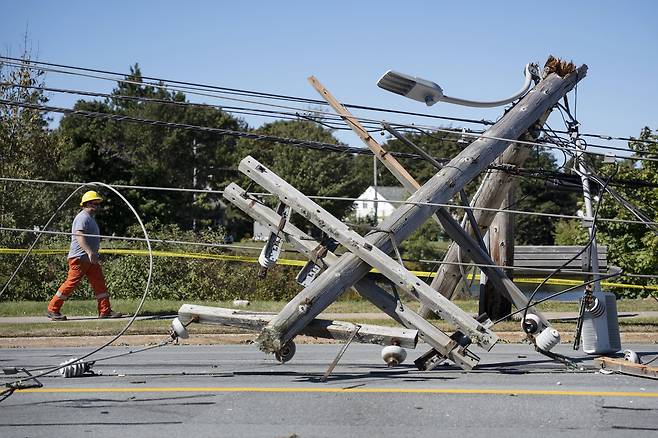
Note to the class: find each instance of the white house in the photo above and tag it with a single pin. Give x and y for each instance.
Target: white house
(364, 206)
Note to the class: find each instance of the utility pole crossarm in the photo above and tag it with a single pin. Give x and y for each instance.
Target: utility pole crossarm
(408, 181)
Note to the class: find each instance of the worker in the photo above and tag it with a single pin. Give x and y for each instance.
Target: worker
(83, 261)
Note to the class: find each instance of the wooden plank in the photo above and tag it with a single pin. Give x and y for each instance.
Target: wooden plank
(388, 160)
(625, 367)
(319, 328)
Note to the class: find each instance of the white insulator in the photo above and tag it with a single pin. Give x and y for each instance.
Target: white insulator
(393, 355)
(532, 324)
(631, 356)
(264, 261)
(179, 329)
(548, 339)
(74, 369)
(598, 309)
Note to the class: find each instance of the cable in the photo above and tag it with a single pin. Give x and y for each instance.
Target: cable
(141, 303)
(19, 62)
(585, 247)
(291, 141)
(344, 198)
(241, 134)
(157, 85)
(22, 64)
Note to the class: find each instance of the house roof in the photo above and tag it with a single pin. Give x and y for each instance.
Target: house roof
(391, 193)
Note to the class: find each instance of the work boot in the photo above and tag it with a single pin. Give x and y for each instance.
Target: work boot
(110, 314)
(55, 316)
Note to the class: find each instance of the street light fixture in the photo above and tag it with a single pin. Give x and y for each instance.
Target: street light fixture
(429, 92)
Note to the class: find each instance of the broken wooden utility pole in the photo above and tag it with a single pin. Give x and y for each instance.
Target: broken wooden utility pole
(304, 244)
(372, 250)
(501, 248)
(462, 239)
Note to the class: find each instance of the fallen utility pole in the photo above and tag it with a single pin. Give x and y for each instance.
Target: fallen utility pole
(501, 249)
(466, 244)
(319, 328)
(363, 249)
(304, 244)
(404, 220)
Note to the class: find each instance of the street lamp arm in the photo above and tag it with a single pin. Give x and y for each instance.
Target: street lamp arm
(429, 92)
(524, 89)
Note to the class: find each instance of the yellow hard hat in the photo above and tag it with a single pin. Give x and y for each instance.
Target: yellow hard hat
(90, 196)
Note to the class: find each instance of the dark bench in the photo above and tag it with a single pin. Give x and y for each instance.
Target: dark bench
(531, 261)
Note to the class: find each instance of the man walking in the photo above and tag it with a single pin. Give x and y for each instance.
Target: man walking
(83, 261)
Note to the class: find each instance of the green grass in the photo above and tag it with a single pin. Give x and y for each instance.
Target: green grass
(170, 307)
(92, 327)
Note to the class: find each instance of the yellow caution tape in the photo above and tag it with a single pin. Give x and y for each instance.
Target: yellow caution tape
(290, 262)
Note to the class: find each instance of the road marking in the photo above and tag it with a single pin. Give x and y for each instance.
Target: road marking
(350, 391)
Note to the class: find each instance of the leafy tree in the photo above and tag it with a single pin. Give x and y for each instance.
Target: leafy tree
(535, 194)
(313, 172)
(633, 246)
(28, 149)
(144, 154)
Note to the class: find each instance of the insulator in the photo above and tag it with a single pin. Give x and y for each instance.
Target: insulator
(548, 339)
(598, 309)
(393, 355)
(631, 356)
(76, 369)
(179, 329)
(532, 324)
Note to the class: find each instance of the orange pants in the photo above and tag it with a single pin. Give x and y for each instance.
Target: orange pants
(78, 269)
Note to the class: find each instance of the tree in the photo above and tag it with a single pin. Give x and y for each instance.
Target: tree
(634, 246)
(28, 149)
(144, 154)
(537, 195)
(313, 172)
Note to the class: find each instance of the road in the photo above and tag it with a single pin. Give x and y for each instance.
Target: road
(237, 391)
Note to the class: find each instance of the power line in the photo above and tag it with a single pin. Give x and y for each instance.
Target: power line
(260, 137)
(343, 198)
(22, 63)
(330, 116)
(19, 62)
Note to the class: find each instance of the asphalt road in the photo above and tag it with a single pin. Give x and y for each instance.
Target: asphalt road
(237, 391)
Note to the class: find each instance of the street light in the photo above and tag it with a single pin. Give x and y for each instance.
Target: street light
(429, 92)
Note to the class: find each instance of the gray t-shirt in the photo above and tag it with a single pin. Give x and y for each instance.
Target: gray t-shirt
(85, 223)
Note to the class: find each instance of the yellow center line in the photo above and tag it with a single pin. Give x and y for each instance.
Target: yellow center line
(350, 390)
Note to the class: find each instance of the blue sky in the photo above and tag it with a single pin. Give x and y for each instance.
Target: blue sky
(474, 50)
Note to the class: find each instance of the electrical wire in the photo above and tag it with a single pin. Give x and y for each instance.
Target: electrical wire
(280, 96)
(139, 307)
(161, 85)
(345, 198)
(33, 64)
